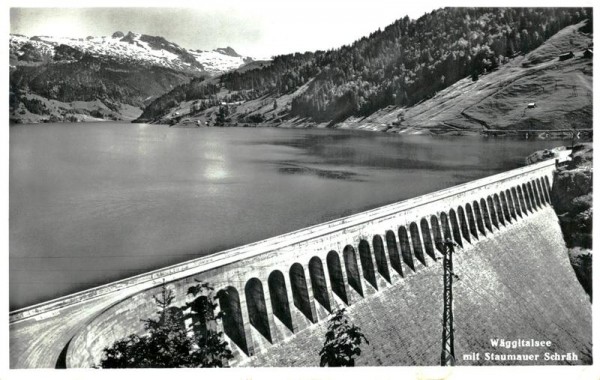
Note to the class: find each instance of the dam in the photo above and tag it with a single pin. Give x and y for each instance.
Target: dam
(382, 265)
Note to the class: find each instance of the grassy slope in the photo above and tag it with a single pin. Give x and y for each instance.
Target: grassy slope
(562, 92)
(80, 111)
(181, 115)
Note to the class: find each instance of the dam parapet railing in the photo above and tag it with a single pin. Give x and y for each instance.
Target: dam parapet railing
(134, 284)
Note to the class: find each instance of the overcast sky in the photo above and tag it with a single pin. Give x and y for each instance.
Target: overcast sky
(256, 28)
(259, 28)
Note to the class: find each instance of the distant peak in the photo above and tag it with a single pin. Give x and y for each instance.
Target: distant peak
(228, 51)
(130, 37)
(118, 34)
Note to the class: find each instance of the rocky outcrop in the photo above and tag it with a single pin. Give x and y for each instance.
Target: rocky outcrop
(572, 201)
(542, 155)
(228, 51)
(67, 53)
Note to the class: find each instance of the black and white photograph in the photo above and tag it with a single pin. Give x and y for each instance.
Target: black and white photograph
(299, 185)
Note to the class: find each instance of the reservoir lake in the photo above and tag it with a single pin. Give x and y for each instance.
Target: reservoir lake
(97, 202)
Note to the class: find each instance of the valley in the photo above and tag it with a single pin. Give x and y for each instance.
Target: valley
(495, 71)
(57, 79)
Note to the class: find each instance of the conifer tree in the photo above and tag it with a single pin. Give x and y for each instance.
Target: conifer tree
(167, 343)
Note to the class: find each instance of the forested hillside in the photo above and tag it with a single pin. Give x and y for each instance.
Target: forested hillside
(406, 63)
(108, 77)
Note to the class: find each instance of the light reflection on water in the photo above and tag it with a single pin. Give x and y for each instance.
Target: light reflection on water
(91, 203)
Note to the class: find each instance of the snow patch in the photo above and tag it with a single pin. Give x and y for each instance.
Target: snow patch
(214, 62)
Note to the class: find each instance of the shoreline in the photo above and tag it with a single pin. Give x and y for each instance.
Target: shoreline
(585, 135)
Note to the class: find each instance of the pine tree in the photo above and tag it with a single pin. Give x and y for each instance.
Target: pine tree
(222, 115)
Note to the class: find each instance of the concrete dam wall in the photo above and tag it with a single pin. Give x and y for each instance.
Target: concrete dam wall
(383, 265)
(516, 285)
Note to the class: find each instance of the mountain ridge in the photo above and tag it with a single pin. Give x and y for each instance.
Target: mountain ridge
(299, 90)
(374, 83)
(151, 50)
(99, 78)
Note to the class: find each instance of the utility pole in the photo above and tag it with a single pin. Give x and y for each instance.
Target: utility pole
(448, 358)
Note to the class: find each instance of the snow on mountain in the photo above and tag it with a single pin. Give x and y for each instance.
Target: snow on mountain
(220, 60)
(132, 47)
(228, 51)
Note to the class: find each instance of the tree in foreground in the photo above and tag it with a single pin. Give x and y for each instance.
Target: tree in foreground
(342, 342)
(167, 343)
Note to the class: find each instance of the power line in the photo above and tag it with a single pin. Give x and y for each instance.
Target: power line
(448, 358)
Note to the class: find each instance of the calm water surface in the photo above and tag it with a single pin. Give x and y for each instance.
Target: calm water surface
(91, 203)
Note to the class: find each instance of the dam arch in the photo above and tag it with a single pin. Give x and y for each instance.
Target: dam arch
(319, 285)
(257, 308)
(523, 200)
(437, 234)
(455, 228)
(499, 210)
(380, 260)
(530, 197)
(471, 221)
(492, 211)
(407, 256)
(541, 191)
(548, 188)
(516, 201)
(300, 292)
(393, 254)
(479, 218)
(336, 277)
(233, 323)
(352, 269)
(536, 196)
(427, 241)
(486, 215)
(542, 185)
(511, 205)
(505, 207)
(464, 227)
(447, 233)
(416, 243)
(366, 263)
(280, 303)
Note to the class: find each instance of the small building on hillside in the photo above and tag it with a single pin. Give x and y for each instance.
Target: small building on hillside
(565, 56)
(531, 105)
(588, 53)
